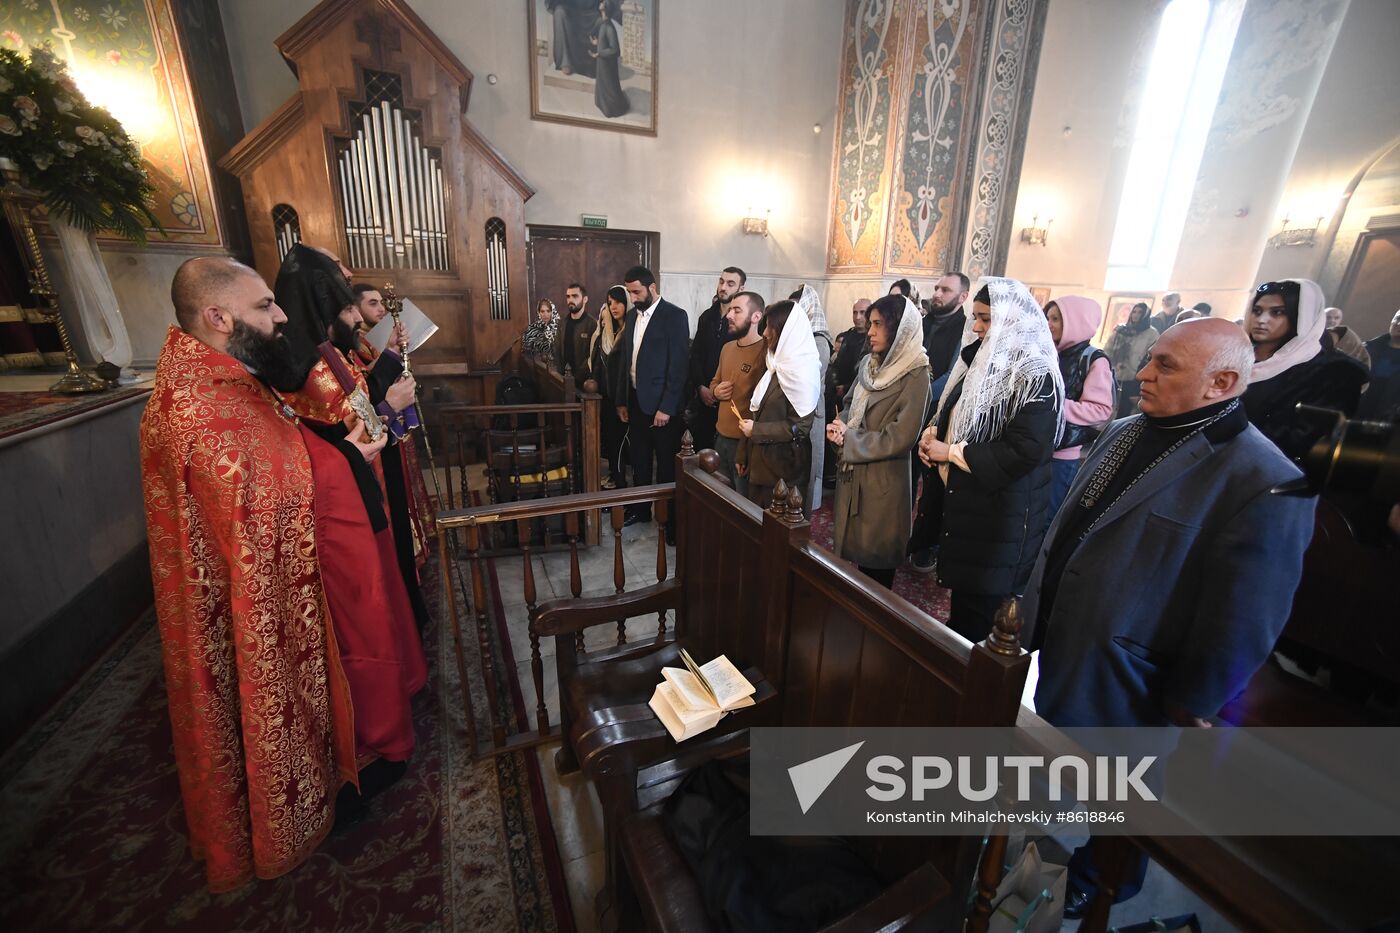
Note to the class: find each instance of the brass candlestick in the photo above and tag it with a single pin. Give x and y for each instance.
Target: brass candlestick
(18, 202)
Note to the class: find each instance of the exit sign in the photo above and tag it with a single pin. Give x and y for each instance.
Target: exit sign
(595, 220)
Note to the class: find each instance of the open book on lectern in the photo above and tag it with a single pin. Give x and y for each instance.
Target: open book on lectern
(695, 698)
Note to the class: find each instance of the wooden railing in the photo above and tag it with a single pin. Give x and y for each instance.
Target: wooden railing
(460, 540)
(573, 423)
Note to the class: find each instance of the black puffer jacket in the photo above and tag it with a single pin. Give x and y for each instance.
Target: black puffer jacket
(988, 524)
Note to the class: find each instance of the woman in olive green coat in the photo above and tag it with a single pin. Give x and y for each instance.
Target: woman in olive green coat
(874, 498)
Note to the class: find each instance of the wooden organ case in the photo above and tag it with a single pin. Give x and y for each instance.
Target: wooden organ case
(374, 158)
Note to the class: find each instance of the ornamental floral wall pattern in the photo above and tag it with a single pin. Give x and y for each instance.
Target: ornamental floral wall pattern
(126, 55)
(933, 105)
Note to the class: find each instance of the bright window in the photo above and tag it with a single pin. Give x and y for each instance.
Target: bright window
(1193, 46)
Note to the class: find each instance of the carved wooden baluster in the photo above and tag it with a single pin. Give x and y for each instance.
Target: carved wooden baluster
(447, 557)
(522, 531)
(515, 456)
(988, 878)
(488, 666)
(617, 514)
(447, 453)
(663, 507)
(572, 479)
(575, 575)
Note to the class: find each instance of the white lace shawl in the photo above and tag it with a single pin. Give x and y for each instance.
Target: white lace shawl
(1012, 368)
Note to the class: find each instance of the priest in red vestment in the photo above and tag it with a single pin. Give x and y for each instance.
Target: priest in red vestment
(260, 710)
(392, 392)
(374, 624)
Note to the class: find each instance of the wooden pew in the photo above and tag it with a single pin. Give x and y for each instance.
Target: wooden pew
(833, 649)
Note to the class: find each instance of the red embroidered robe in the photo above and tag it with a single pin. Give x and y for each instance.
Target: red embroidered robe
(259, 707)
(380, 649)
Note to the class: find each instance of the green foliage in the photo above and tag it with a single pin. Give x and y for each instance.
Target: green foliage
(76, 155)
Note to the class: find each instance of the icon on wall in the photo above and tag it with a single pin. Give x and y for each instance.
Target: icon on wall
(593, 63)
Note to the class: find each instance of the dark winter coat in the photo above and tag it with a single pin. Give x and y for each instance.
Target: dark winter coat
(1329, 380)
(988, 524)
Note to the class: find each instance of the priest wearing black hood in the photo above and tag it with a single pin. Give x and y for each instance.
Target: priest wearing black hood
(371, 611)
(1286, 324)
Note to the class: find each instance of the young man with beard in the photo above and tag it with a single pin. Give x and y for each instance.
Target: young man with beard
(742, 362)
(392, 391)
(654, 350)
(711, 334)
(574, 334)
(943, 327)
(243, 618)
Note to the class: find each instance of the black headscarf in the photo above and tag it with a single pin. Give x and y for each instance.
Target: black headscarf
(312, 291)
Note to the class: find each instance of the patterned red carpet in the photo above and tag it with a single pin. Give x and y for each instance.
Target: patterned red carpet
(921, 589)
(95, 834)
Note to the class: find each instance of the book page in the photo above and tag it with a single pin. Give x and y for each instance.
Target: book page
(664, 712)
(417, 325)
(728, 685)
(691, 693)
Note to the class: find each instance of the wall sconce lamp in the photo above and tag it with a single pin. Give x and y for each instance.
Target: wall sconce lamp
(757, 225)
(1035, 234)
(1295, 236)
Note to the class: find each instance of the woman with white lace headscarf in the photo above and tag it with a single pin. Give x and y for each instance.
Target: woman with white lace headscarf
(991, 441)
(777, 443)
(1286, 323)
(874, 434)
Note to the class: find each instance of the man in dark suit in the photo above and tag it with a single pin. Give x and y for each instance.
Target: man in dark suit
(655, 349)
(1168, 574)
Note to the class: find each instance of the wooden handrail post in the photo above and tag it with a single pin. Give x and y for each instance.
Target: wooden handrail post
(592, 454)
(488, 667)
(449, 582)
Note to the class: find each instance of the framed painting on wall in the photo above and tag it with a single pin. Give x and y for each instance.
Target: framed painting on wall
(1116, 312)
(1041, 294)
(593, 63)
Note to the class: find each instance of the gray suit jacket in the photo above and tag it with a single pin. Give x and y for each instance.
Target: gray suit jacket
(1179, 593)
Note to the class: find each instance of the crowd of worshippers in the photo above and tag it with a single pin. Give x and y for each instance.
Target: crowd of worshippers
(994, 400)
(973, 433)
(284, 508)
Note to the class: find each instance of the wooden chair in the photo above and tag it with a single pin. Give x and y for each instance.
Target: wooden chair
(751, 586)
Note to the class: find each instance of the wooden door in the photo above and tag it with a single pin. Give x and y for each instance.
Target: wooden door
(558, 256)
(1367, 294)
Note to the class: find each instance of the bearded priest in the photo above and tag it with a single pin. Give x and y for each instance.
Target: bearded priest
(260, 708)
(369, 602)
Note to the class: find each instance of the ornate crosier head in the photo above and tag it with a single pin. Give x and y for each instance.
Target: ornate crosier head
(392, 302)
